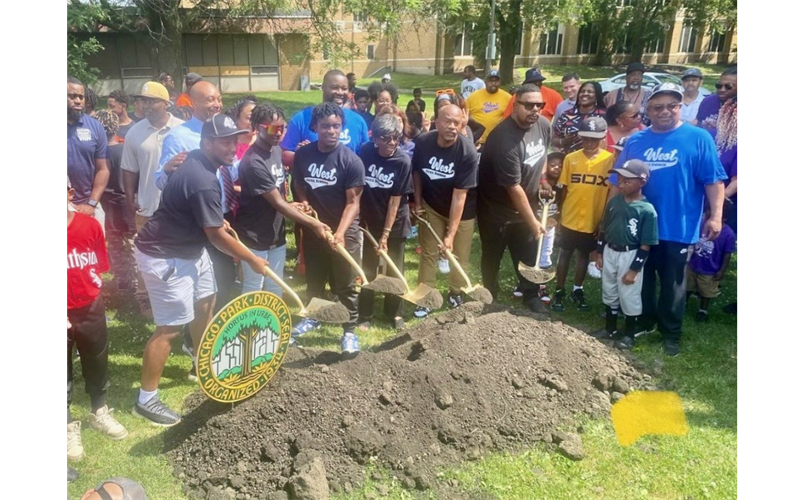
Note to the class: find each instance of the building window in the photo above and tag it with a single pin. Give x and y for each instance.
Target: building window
(370, 52)
(550, 43)
(687, 39)
(717, 41)
(360, 17)
(656, 45)
(588, 39)
(518, 47)
(463, 46)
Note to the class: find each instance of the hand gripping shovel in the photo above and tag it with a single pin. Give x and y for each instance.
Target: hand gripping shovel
(318, 309)
(423, 296)
(535, 274)
(476, 292)
(381, 284)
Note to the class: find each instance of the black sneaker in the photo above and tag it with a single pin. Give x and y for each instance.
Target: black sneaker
(454, 301)
(577, 296)
(558, 297)
(156, 412)
(701, 316)
(604, 334)
(625, 343)
(191, 375)
(731, 308)
(671, 348)
(421, 312)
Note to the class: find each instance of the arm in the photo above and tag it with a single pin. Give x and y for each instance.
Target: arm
(417, 191)
(101, 178)
(294, 213)
(725, 263)
(351, 210)
(730, 190)
(391, 215)
(630, 275)
(130, 186)
(300, 191)
(715, 197)
(232, 247)
(520, 200)
(456, 209)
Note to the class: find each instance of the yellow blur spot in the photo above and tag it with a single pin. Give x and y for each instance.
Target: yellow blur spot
(648, 412)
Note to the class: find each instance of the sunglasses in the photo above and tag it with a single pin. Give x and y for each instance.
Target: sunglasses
(273, 129)
(529, 106)
(445, 91)
(657, 108)
(389, 138)
(727, 86)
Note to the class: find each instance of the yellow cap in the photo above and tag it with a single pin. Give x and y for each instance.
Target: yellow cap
(154, 90)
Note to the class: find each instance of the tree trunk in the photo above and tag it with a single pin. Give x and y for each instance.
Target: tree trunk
(508, 29)
(166, 25)
(606, 39)
(246, 355)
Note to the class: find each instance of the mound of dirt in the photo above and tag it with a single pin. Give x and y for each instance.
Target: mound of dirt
(460, 385)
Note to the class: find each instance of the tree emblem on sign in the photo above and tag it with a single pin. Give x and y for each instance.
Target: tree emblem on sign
(246, 342)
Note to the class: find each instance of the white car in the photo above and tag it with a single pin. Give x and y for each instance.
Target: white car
(649, 81)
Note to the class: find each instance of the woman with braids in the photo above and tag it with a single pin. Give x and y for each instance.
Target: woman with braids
(589, 103)
(329, 178)
(241, 113)
(387, 170)
(263, 207)
(623, 119)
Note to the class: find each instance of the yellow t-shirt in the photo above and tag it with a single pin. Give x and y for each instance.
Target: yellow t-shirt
(487, 109)
(586, 188)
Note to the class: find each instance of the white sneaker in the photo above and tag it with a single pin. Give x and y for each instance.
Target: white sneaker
(593, 271)
(75, 449)
(444, 265)
(103, 422)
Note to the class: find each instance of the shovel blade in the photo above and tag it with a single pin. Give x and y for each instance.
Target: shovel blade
(425, 296)
(386, 284)
(326, 311)
(535, 274)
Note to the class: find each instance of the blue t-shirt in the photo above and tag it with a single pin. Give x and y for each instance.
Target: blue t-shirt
(86, 142)
(682, 161)
(354, 132)
(184, 138)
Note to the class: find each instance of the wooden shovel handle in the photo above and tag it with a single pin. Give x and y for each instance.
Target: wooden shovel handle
(448, 253)
(388, 260)
(340, 248)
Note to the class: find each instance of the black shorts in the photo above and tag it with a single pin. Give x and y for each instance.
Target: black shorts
(570, 240)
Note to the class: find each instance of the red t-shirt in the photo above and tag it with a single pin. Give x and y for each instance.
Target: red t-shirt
(86, 260)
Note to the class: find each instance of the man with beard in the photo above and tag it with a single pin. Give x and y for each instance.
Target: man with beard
(726, 91)
(86, 151)
(174, 262)
(486, 106)
(140, 161)
(633, 91)
(510, 171)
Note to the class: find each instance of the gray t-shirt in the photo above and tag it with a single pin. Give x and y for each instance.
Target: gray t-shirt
(141, 154)
(468, 87)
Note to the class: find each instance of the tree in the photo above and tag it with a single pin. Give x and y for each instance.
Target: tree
(245, 329)
(77, 49)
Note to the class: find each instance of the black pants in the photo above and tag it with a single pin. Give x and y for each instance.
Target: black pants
(120, 230)
(392, 304)
(668, 261)
(731, 214)
(225, 271)
(324, 265)
(88, 334)
(495, 238)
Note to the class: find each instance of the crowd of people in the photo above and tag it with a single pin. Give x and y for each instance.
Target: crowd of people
(633, 183)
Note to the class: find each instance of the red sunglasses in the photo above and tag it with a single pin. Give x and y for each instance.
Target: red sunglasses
(273, 129)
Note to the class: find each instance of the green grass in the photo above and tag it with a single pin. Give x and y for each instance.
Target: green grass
(702, 464)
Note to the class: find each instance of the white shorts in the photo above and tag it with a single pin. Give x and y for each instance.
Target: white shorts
(175, 285)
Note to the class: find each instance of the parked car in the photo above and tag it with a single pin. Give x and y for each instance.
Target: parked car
(649, 81)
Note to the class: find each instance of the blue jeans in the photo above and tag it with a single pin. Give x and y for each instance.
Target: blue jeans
(253, 282)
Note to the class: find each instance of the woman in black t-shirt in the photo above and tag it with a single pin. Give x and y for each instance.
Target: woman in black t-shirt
(384, 213)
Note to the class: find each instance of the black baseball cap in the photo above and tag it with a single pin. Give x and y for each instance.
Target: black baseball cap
(635, 66)
(493, 74)
(594, 127)
(220, 126)
(633, 169)
(533, 75)
(192, 78)
(692, 72)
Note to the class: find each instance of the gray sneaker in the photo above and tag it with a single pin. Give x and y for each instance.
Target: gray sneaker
(156, 412)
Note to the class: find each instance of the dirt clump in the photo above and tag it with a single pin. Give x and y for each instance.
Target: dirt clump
(470, 381)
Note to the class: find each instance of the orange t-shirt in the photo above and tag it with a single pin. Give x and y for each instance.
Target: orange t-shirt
(183, 100)
(551, 97)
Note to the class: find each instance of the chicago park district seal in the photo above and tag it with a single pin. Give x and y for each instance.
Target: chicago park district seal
(243, 347)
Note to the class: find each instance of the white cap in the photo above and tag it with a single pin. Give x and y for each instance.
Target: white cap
(387, 76)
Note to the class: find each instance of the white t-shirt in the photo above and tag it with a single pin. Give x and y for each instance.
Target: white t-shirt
(470, 86)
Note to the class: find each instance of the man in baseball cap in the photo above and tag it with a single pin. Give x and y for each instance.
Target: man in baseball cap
(550, 97)
(154, 90)
(691, 81)
(633, 91)
(488, 105)
(174, 262)
(189, 80)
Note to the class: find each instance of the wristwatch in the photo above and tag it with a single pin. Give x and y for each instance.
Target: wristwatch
(92, 203)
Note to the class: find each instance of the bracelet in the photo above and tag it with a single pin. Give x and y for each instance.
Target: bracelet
(639, 260)
(386, 232)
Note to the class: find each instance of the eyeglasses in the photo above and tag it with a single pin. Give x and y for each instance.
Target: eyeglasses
(727, 86)
(445, 91)
(76, 96)
(529, 106)
(388, 138)
(657, 108)
(272, 129)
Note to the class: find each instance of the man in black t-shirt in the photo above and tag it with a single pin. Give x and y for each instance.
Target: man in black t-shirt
(263, 206)
(329, 177)
(445, 174)
(511, 167)
(174, 263)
